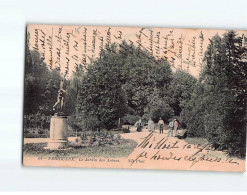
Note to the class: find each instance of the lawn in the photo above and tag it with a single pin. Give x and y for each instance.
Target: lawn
(203, 142)
(196, 140)
(108, 151)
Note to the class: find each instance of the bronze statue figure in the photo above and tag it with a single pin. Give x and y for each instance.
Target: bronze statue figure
(58, 106)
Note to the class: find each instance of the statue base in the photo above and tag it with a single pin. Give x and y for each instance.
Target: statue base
(58, 133)
(57, 144)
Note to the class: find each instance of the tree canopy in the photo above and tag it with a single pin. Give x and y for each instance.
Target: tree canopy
(126, 81)
(217, 110)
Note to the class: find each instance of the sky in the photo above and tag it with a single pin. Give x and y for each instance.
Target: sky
(69, 46)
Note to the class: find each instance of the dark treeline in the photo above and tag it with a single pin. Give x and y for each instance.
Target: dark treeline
(217, 108)
(41, 85)
(128, 83)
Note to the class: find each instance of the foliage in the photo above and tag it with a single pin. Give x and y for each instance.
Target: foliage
(36, 133)
(217, 109)
(101, 95)
(93, 138)
(120, 82)
(130, 119)
(41, 84)
(193, 113)
(158, 107)
(180, 90)
(107, 151)
(129, 83)
(37, 120)
(82, 122)
(72, 91)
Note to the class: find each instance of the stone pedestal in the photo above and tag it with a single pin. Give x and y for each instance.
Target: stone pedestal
(58, 133)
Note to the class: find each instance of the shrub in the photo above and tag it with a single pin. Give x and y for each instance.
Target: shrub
(36, 121)
(36, 133)
(121, 130)
(79, 122)
(130, 119)
(163, 111)
(94, 138)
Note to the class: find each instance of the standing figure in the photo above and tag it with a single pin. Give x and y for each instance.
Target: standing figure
(175, 126)
(161, 124)
(60, 99)
(150, 125)
(170, 126)
(139, 125)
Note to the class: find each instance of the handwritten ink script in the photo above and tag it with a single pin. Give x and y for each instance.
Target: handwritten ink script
(177, 151)
(71, 50)
(66, 47)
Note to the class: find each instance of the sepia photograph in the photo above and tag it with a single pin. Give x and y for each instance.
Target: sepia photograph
(135, 98)
(123, 96)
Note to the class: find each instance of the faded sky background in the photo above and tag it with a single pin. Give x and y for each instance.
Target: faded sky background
(73, 45)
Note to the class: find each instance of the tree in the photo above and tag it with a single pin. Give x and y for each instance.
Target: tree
(101, 95)
(72, 91)
(158, 107)
(36, 76)
(180, 90)
(220, 103)
(193, 112)
(121, 81)
(41, 84)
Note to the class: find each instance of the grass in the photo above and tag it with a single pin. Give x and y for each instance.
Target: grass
(107, 151)
(203, 142)
(36, 133)
(196, 140)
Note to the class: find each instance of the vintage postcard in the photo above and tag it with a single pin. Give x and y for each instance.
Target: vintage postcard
(135, 98)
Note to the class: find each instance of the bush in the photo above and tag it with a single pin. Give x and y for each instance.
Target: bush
(130, 119)
(81, 123)
(121, 130)
(36, 136)
(163, 111)
(36, 133)
(94, 138)
(37, 120)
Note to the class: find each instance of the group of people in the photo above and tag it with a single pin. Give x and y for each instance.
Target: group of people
(172, 126)
(151, 125)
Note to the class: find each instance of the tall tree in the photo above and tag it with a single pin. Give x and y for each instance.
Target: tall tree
(180, 90)
(121, 81)
(222, 102)
(41, 84)
(101, 94)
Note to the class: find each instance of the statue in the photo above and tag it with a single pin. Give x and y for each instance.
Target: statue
(58, 106)
(58, 123)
